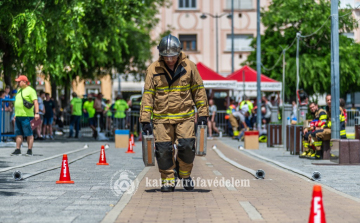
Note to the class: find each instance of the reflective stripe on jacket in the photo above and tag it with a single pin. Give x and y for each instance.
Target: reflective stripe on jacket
(172, 99)
(342, 121)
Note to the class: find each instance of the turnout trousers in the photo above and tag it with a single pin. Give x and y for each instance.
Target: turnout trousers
(319, 136)
(166, 135)
(306, 141)
(234, 124)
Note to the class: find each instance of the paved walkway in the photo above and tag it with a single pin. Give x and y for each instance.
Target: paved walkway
(282, 197)
(344, 178)
(39, 199)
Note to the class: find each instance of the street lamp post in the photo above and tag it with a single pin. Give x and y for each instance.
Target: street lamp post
(216, 17)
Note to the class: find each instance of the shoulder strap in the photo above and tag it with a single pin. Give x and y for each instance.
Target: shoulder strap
(21, 94)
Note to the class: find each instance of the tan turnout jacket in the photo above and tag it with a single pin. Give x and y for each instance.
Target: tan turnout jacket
(172, 99)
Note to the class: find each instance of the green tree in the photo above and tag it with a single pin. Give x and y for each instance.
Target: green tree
(69, 38)
(22, 37)
(283, 19)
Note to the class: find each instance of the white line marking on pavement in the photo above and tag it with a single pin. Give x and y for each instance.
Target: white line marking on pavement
(124, 200)
(251, 210)
(203, 158)
(231, 187)
(217, 173)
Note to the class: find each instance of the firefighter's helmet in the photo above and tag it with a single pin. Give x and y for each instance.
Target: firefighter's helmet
(169, 46)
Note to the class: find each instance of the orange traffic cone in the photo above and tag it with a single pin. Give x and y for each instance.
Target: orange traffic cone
(132, 140)
(317, 213)
(102, 158)
(130, 148)
(65, 173)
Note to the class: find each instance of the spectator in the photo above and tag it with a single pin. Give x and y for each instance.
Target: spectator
(294, 111)
(41, 97)
(263, 113)
(273, 101)
(99, 111)
(353, 108)
(246, 105)
(13, 94)
(342, 105)
(211, 121)
(253, 118)
(2, 96)
(267, 105)
(76, 113)
(48, 116)
(89, 109)
(128, 117)
(120, 108)
(248, 120)
(240, 118)
(7, 96)
(25, 102)
(109, 114)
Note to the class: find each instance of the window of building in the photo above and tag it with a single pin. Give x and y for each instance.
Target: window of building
(349, 35)
(241, 42)
(347, 4)
(92, 91)
(187, 4)
(240, 4)
(188, 42)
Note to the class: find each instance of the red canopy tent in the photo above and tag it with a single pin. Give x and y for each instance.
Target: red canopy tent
(213, 80)
(250, 75)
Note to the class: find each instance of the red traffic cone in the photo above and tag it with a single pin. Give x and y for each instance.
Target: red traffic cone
(132, 140)
(130, 148)
(65, 173)
(102, 158)
(317, 213)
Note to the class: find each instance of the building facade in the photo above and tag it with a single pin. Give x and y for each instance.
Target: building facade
(199, 36)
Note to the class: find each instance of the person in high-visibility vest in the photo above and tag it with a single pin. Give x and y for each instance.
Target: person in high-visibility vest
(325, 132)
(108, 114)
(246, 103)
(120, 107)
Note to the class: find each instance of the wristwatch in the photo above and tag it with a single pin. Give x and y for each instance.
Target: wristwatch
(37, 113)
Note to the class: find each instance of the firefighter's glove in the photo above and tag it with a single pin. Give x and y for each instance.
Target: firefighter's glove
(202, 120)
(147, 128)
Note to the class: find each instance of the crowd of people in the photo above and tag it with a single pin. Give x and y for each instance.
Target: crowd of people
(241, 116)
(89, 110)
(98, 111)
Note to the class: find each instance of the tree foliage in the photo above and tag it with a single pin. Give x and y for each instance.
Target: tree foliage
(69, 38)
(283, 19)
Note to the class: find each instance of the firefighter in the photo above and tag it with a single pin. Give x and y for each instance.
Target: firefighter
(172, 87)
(246, 105)
(318, 114)
(325, 132)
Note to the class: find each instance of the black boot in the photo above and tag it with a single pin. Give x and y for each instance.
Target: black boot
(167, 188)
(188, 184)
(318, 155)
